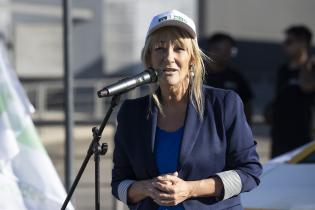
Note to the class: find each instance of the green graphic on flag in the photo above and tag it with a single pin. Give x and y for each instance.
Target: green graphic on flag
(28, 180)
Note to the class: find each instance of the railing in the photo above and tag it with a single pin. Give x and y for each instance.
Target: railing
(48, 100)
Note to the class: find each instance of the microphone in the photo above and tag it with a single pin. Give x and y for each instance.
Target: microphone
(129, 83)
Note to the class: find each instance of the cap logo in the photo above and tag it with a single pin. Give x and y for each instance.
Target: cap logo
(179, 18)
(175, 17)
(162, 18)
(172, 18)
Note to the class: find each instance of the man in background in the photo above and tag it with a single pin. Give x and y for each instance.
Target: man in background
(221, 48)
(292, 107)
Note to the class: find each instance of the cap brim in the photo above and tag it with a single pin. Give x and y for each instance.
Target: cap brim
(174, 23)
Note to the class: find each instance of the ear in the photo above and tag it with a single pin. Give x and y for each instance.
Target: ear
(191, 64)
(192, 61)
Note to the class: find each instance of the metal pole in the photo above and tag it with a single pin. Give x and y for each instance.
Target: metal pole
(202, 17)
(97, 149)
(97, 182)
(68, 90)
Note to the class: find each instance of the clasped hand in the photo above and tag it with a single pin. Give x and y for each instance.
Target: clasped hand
(169, 189)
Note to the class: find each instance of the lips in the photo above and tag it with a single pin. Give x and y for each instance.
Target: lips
(166, 70)
(169, 72)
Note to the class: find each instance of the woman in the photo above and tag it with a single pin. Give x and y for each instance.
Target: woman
(186, 146)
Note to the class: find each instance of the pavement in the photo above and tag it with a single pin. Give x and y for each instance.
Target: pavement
(53, 140)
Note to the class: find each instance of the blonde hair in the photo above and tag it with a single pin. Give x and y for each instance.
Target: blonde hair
(182, 38)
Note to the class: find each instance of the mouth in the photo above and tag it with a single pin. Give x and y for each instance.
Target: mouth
(169, 70)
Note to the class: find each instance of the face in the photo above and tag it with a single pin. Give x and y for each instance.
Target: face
(171, 55)
(292, 46)
(220, 51)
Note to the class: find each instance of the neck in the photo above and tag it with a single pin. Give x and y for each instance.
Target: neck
(300, 59)
(176, 94)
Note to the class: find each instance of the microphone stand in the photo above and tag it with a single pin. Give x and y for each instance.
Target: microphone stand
(97, 149)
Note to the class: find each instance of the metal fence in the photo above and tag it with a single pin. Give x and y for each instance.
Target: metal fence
(48, 100)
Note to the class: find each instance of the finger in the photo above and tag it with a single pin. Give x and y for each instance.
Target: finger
(161, 182)
(165, 182)
(175, 173)
(154, 193)
(168, 177)
(166, 203)
(167, 197)
(162, 203)
(163, 197)
(158, 202)
(164, 187)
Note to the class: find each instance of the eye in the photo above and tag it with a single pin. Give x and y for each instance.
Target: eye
(179, 48)
(159, 48)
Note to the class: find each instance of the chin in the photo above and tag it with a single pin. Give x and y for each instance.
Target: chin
(169, 82)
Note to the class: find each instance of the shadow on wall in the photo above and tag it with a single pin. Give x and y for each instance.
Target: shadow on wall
(258, 62)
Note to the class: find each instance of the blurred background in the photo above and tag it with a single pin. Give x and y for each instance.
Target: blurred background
(107, 39)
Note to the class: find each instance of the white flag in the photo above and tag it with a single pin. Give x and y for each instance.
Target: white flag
(24, 159)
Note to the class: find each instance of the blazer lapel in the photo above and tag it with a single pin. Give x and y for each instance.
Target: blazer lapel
(149, 138)
(191, 131)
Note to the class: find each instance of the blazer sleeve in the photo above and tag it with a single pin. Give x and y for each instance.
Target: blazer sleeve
(241, 148)
(122, 170)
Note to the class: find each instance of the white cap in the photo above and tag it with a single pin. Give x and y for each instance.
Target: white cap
(173, 18)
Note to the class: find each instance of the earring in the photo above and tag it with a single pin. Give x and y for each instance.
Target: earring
(192, 71)
(192, 74)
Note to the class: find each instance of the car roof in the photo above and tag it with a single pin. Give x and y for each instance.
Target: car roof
(286, 183)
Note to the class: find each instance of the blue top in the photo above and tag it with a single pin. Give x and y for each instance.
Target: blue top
(167, 147)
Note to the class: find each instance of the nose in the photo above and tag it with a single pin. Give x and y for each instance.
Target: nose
(169, 55)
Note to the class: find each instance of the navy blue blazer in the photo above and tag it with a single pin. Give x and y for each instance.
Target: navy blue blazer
(220, 141)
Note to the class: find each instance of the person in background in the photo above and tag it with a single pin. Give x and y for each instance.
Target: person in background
(291, 112)
(221, 48)
(186, 146)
